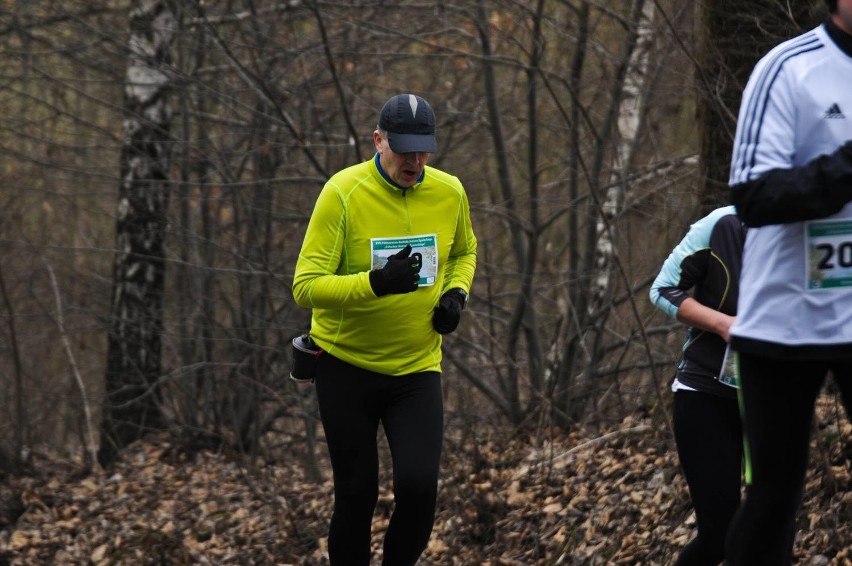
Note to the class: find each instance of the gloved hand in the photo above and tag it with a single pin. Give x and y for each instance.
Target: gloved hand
(447, 314)
(399, 275)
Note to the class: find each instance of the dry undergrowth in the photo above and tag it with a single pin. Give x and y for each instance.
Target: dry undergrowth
(582, 498)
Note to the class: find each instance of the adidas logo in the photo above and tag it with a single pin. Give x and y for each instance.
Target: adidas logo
(834, 112)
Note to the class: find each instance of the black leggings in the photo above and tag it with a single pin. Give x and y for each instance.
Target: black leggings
(778, 398)
(709, 438)
(352, 402)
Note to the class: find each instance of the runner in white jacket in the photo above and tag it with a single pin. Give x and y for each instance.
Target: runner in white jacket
(791, 180)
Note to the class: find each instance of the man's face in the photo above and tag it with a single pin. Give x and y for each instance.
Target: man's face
(404, 169)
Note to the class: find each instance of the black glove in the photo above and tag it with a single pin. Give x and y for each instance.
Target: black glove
(399, 275)
(447, 314)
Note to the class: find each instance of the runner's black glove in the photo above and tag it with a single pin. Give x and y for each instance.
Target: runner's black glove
(399, 275)
(447, 314)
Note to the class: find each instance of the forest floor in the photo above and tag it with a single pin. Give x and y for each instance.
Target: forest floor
(612, 497)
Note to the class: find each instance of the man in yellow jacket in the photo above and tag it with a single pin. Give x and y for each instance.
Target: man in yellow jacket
(386, 266)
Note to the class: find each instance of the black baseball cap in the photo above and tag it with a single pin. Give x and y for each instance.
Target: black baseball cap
(410, 124)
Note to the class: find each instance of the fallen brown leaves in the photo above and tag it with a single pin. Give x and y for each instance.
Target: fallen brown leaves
(580, 498)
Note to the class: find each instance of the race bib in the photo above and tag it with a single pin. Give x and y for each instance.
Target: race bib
(728, 374)
(828, 249)
(426, 245)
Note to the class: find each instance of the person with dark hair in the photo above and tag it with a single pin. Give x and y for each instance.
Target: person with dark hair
(386, 265)
(706, 418)
(791, 181)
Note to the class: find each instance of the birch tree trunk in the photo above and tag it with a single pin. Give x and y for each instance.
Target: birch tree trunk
(133, 357)
(625, 120)
(628, 125)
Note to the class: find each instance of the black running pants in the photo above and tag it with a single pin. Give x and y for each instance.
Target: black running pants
(352, 403)
(778, 398)
(709, 438)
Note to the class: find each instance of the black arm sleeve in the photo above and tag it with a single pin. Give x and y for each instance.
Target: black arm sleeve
(815, 190)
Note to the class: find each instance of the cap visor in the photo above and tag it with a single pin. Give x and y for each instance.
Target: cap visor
(407, 143)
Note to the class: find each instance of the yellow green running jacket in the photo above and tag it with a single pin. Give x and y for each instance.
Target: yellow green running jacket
(360, 218)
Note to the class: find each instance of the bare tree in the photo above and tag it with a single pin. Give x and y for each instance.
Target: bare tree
(132, 406)
(732, 37)
(623, 124)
